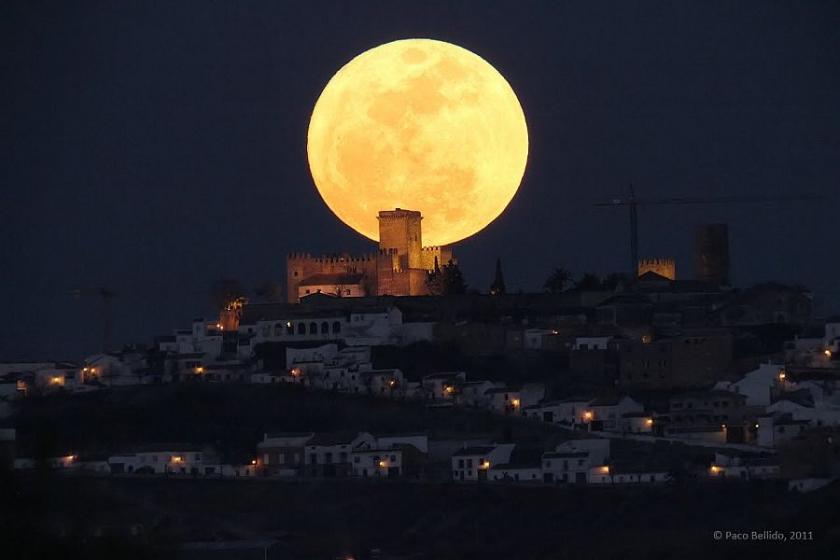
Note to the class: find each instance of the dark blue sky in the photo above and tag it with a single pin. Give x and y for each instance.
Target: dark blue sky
(154, 147)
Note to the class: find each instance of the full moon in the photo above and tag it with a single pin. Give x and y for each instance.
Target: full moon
(422, 125)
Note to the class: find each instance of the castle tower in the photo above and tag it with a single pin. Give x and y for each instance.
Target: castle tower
(666, 267)
(711, 254)
(400, 230)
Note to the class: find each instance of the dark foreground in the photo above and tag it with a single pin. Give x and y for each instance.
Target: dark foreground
(48, 516)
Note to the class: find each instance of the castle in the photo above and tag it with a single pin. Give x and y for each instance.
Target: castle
(399, 268)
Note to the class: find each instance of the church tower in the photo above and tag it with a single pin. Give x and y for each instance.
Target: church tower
(497, 288)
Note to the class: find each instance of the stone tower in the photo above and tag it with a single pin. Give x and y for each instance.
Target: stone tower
(711, 254)
(400, 235)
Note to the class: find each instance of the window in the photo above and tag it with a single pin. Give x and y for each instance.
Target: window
(325, 328)
(301, 328)
(460, 463)
(313, 328)
(469, 463)
(336, 327)
(278, 329)
(313, 458)
(393, 458)
(328, 457)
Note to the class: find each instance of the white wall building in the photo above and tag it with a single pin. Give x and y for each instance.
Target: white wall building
(757, 384)
(472, 464)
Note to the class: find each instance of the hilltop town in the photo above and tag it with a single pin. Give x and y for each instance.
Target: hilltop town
(373, 373)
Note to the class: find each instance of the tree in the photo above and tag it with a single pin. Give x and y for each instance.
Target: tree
(446, 281)
(271, 291)
(557, 281)
(615, 280)
(589, 281)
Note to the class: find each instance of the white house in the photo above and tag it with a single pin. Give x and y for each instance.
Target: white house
(591, 343)
(473, 393)
(569, 412)
(515, 472)
(472, 464)
(636, 423)
(377, 462)
(607, 413)
(504, 400)
(162, 459)
(383, 382)
(317, 354)
(443, 386)
(329, 454)
(66, 377)
(115, 369)
(533, 338)
(565, 466)
(778, 428)
(628, 474)
(758, 384)
(744, 467)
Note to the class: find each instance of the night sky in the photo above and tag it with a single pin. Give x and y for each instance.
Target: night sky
(154, 148)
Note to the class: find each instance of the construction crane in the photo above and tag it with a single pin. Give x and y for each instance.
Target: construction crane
(106, 296)
(632, 203)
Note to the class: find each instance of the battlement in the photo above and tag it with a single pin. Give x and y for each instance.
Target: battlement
(332, 259)
(663, 266)
(398, 214)
(657, 261)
